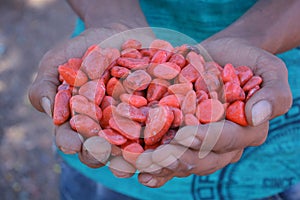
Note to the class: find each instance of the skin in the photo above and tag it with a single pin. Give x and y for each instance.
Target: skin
(43, 89)
(269, 27)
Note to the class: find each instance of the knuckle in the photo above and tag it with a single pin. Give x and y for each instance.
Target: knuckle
(31, 94)
(48, 58)
(226, 144)
(261, 135)
(207, 172)
(288, 100)
(260, 140)
(33, 97)
(88, 159)
(237, 157)
(66, 140)
(231, 144)
(215, 165)
(281, 65)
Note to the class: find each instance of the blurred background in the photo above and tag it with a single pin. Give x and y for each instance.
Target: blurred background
(28, 28)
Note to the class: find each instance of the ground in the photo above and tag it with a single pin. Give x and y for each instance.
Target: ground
(28, 28)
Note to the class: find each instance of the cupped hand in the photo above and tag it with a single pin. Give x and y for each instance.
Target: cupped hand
(44, 88)
(204, 149)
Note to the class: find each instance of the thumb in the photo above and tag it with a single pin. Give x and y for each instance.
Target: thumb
(43, 89)
(275, 97)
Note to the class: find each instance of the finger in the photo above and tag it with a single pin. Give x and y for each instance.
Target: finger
(167, 155)
(213, 162)
(190, 163)
(89, 160)
(95, 152)
(46, 105)
(160, 162)
(144, 163)
(121, 168)
(42, 92)
(67, 140)
(238, 156)
(234, 136)
(187, 136)
(153, 181)
(97, 148)
(201, 136)
(221, 137)
(162, 172)
(274, 98)
(46, 81)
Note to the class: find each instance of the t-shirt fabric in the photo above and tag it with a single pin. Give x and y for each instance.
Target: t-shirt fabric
(262, 171)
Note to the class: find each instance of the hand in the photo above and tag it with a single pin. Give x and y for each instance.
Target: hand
(204, 149)
(43, 90)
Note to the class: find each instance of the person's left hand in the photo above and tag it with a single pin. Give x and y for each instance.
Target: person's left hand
(222, 143)
(204, 149)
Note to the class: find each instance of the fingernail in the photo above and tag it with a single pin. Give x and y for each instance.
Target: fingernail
(67, 151)
(146, 178)
(152, 168)
(152, 182)
(261, 111)
(46, 104)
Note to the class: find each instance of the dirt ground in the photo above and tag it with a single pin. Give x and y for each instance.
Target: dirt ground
(28, 28)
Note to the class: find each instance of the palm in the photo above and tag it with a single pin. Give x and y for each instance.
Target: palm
(46, 83)
(232, 138)
(272, 70)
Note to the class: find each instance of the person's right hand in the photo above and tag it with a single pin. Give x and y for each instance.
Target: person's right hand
(43, 90)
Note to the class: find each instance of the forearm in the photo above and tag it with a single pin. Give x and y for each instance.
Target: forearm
(103, 13)
(270, 24)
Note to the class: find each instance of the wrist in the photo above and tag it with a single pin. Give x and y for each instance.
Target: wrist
(257, 38)
(270, 25)
(94, 20)
(102, 13)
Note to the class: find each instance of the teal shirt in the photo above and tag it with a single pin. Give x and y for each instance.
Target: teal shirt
(262, 171)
